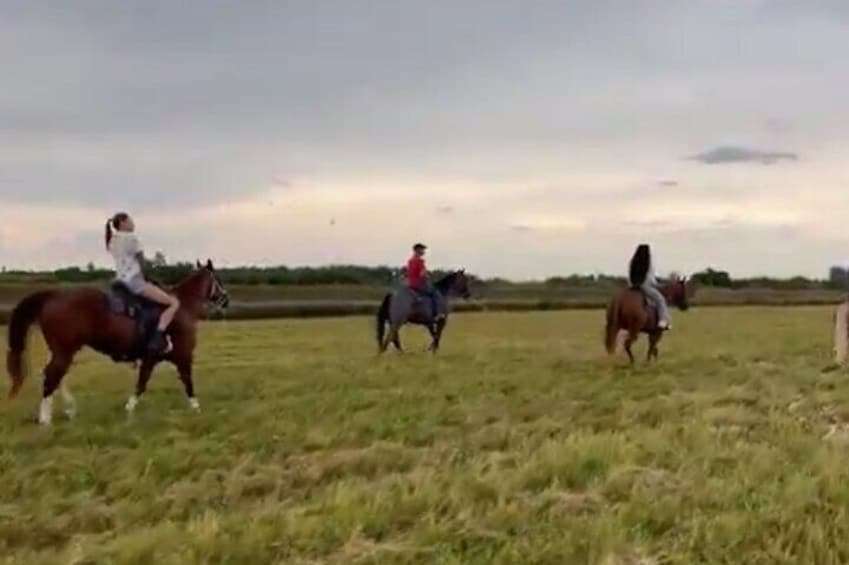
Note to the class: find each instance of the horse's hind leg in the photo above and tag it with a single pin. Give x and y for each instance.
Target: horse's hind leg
(629, 341)
(396, 341)
(145, 370)
(69, 401)
(390, 337)
(53, 374)
(654, 339)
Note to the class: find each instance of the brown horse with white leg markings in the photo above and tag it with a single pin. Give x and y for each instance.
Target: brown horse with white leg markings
(71, 320)
(630, 311)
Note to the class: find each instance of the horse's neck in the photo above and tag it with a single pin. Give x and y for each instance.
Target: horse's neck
(668, 291)
(191, 296)
(445, 285)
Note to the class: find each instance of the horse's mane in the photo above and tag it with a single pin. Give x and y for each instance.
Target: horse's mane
(445, 282)
(189, 281)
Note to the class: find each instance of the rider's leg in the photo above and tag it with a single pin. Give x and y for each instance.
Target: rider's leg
(156, 294)
(422, 294)
(160, 342)
(430, 294)
(439, 309)
(659, 301)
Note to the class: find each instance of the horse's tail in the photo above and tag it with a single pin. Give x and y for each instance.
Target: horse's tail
(23, 316)
(383, 318)
(611, 330)
(841, 333)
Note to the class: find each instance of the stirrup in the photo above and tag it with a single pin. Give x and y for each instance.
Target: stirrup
(160, 344)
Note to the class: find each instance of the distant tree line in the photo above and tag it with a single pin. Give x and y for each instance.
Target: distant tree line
(160, 270)
(837, 280)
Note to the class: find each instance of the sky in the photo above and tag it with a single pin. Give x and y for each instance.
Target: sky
(516, 139)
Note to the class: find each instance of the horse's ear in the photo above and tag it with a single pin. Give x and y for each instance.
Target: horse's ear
(209, 265)
(463, 271)
(198, 265)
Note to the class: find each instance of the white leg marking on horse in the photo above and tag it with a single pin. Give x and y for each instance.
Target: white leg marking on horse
(45, 411)
(69, 401)
(194, 404)
(132, 402)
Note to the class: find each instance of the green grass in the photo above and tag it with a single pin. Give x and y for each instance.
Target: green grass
(520, 443)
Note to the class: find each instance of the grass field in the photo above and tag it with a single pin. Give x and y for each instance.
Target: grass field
(520, 443)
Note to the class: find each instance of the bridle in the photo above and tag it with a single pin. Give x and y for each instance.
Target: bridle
(218, 295)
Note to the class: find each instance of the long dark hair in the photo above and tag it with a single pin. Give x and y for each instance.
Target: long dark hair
(640, 263)
(114, 222)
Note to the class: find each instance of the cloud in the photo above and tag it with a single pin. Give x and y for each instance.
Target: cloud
(281, 183)
(725, 154)
(648, 224)
(667, 183)
(241, 130)
(777, 126)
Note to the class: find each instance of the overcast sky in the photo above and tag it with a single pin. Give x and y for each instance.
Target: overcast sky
(519, 139)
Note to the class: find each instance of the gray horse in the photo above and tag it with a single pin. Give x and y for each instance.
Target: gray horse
(405, 306)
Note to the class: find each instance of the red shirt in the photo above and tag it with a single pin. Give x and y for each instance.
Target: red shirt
(416, 272)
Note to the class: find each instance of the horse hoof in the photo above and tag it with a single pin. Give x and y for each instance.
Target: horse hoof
(194, 404)
(131, 404)
(45, 412)
(71, 414)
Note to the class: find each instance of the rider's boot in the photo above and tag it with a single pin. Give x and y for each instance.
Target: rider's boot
(160, 343)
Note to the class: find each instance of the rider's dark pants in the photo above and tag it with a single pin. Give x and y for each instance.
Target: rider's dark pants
(433, 296)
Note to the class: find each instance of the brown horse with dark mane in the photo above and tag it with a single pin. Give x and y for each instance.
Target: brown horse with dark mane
(630, 311)
(644, 306)
(113, 323)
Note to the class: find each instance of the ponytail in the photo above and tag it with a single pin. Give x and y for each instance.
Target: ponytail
(108, 233)
(114, 224)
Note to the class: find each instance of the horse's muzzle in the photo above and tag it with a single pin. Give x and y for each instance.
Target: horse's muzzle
(222, 301)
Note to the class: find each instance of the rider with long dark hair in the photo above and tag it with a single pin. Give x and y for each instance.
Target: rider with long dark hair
(641, 275)
(125, 248)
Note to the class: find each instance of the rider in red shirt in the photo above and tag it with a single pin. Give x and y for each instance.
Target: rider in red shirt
(416, 270)
(418, 280)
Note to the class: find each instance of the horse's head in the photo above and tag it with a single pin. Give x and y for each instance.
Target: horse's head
(458, 283)
(679, 291)
(213, 290)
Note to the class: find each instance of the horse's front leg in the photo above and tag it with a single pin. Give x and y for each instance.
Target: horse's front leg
(436, 334)
(184, 368)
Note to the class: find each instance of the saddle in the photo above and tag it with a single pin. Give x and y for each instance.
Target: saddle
(653, 318)
(146, 314)
(429, 306)
(651, 310)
